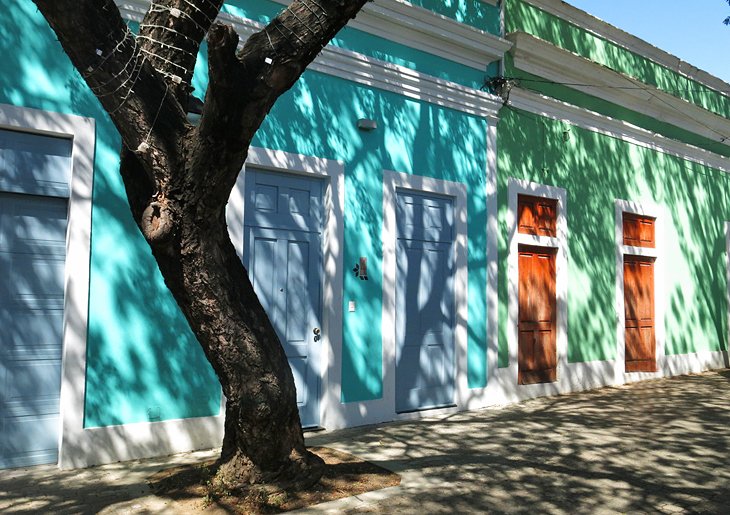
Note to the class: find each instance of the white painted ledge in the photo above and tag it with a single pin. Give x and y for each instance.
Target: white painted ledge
(541, 58)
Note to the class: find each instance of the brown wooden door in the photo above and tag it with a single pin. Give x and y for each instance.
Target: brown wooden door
(639, 309)
(537, 352)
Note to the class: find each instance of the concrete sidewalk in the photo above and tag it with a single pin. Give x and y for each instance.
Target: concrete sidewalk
(657, 447)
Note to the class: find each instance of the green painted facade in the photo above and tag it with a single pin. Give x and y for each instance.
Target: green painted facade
(596, 170)
(139, 369)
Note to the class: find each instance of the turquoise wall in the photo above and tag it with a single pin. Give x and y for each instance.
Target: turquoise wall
(318, 118)
(388, 51)
(139, 369)
(475, 13)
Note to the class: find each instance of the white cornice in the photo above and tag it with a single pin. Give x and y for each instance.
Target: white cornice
(628, 41)
(419, 28)
(619, 129)
(366, 70)
(548, 61)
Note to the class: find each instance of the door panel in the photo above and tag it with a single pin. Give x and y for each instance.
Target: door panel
(639, 313)
(34, 164)
(283, 256)
(537, 332)
(32, 256)
(425, 310)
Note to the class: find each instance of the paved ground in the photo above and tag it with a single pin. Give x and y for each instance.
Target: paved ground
(655, 447)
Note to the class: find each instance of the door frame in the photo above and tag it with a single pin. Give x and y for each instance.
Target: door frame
(650, 209)
(515, 188)
(393, 181)
(333, 174)
(82, 134)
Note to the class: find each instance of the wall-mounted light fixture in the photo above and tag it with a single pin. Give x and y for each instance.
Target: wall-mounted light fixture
(366, 124)
(500, 86)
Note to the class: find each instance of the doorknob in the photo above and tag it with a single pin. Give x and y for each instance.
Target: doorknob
(316, 332)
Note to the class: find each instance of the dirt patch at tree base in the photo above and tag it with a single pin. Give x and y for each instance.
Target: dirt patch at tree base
(192, 488)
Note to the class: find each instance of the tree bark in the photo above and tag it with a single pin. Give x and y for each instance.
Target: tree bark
(178, 179)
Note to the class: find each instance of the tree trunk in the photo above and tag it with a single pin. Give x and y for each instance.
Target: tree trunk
(178, 179)
(263, 438)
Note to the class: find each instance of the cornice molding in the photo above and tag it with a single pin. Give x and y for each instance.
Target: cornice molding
(596, 122)
(541, 58)
(367, 71)
(614, 35)
(419, 28)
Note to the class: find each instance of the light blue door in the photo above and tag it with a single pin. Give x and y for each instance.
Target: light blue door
(34, 174)
(283, 256)
(425, 317)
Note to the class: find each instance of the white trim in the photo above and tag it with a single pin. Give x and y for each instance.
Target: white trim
(330, 367)
(369, 71)
(727, 291)
(558, 110)
(406, 82)
(541, 58)
(422, 29)
(393, 181)
(108, 444)
(517, 187)
(606, 31)
(82, 132)
(659, 253)
(492, 255)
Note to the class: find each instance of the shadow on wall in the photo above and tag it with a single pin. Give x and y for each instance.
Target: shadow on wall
(318, 117)
(143, 362)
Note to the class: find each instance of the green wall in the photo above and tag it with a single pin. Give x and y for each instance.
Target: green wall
(596, 170)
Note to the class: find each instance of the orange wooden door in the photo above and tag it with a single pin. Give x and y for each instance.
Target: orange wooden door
(537, 349)
(639, 309)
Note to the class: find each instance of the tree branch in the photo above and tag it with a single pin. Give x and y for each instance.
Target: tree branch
(244, 87)
(100, 45)
(170, 36)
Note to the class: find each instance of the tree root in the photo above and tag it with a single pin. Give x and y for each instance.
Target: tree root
(302, 470)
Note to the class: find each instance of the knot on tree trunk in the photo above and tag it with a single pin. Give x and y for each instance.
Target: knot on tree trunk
(158, 224)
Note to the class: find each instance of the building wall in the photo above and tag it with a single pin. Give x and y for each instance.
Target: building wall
(147, 387)
(145, 379)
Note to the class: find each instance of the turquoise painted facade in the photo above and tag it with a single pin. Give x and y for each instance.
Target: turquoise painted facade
(443, 123)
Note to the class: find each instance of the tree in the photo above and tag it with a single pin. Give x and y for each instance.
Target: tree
(178, 178)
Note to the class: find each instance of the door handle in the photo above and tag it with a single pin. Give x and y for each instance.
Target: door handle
(316, 332)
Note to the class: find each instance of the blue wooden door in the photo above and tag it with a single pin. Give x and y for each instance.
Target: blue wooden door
(34, 173)
(283, 256)
(425, 314)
